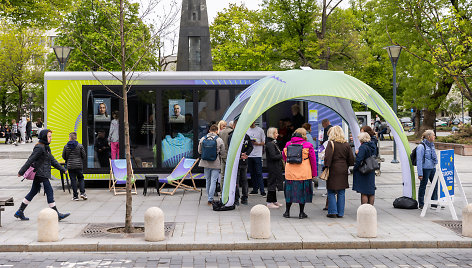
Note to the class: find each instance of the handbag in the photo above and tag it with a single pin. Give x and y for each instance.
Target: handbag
(30, 173)
(368, 165)
(325, 174)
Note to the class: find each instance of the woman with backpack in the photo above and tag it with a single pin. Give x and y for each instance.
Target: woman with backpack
(426, 161)
(211, 147)
(274, 166)
(41, 160)
(364, 183)
(338, 158)
(300, 168)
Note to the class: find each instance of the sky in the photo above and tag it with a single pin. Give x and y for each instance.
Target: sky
(215, 6)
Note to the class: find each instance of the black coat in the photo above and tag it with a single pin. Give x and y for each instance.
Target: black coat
(41, 160)
(246, 148)
(364, 183)
(325, 134)
(74, 155)
(274, 165)
(29, 127)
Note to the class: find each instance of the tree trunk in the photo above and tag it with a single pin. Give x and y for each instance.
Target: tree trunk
(129, 197)
(20, 103)
(417, 122)
(325, 53)
(429, 121)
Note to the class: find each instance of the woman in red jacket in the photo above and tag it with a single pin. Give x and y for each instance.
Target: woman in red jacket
(298, 177)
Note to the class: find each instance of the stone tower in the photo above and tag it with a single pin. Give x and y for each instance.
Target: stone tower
(194, 53)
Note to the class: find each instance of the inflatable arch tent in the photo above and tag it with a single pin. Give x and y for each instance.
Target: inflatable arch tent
(333, 89)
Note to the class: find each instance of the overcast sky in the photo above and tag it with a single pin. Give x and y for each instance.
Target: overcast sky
(215, 6)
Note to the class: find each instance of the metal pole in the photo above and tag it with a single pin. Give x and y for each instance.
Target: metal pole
(62, 66)
(395, 161)
(462, 107)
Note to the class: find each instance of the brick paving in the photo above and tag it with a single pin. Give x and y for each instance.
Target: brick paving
(197, 227)
(280, 258)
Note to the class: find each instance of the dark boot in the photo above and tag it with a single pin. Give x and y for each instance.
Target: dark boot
(302, 214)
(60, 215)
(287, 210)
(20, 213)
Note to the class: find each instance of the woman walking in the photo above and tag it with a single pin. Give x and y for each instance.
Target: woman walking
(426, 161)
(274, 166)
(41, 160)
(298, 177)
(338, 158)
(364, 183)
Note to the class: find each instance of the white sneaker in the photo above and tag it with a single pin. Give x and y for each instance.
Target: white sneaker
(278, 204)
(23, 143)
(272, 205)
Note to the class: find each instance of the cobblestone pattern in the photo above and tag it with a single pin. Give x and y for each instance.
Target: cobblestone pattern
(300, 258)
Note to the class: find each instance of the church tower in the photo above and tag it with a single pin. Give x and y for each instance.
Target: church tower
(194, 53)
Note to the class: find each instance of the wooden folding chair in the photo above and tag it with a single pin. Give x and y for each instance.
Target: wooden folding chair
(181, 172)
(118, 174)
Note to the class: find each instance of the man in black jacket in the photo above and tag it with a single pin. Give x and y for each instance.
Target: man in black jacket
(242, 167)
(75, 157)
(326, 125)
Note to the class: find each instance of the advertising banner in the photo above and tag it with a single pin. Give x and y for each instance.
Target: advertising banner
(447, 169)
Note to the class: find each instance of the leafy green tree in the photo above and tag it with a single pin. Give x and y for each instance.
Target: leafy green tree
(22, 64)
(239, 41)
(93, 29)
(43, 14)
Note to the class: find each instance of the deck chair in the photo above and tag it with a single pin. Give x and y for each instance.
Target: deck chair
(181, 172)
(118, 177)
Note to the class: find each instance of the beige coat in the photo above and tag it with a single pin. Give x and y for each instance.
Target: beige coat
(220, 149)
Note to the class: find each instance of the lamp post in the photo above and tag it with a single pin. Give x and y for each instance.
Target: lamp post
(62, 55)
(30, 104)
(394, 54)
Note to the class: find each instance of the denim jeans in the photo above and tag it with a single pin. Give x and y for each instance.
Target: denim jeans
(77, 175)
(255, 168)
(37, 186)
(428, 174)
(336, 206)
(211, 175)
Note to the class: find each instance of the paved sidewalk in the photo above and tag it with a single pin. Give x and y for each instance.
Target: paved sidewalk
(197, 227)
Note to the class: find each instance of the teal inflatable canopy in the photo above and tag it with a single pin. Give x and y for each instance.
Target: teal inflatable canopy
(335, 90)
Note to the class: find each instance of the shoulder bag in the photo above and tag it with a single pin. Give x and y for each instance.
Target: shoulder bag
(368, 165)
(325, 174)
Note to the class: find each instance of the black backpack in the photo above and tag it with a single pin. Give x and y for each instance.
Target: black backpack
(413, 154)
(209, 148)
(295, 153)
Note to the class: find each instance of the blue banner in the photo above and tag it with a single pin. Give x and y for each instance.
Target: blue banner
(447, 169)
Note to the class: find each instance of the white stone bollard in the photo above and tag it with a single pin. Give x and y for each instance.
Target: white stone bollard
(467, 221)
(260, 222)
(48, 226)
(366, 221)
(154, 225)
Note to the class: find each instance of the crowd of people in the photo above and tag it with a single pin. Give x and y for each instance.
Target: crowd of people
(20, 132)
(292, 167)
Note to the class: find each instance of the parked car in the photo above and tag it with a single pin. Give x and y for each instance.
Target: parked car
(441, 123)
(406, 121)
(34, 130)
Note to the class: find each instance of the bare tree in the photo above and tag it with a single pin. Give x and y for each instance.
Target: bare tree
(160, 25)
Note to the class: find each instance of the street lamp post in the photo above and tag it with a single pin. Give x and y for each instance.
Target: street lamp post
(62, 55)
(394, 54)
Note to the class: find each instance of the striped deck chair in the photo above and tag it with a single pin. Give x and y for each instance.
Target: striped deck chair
(118, 177)
(181, 172)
